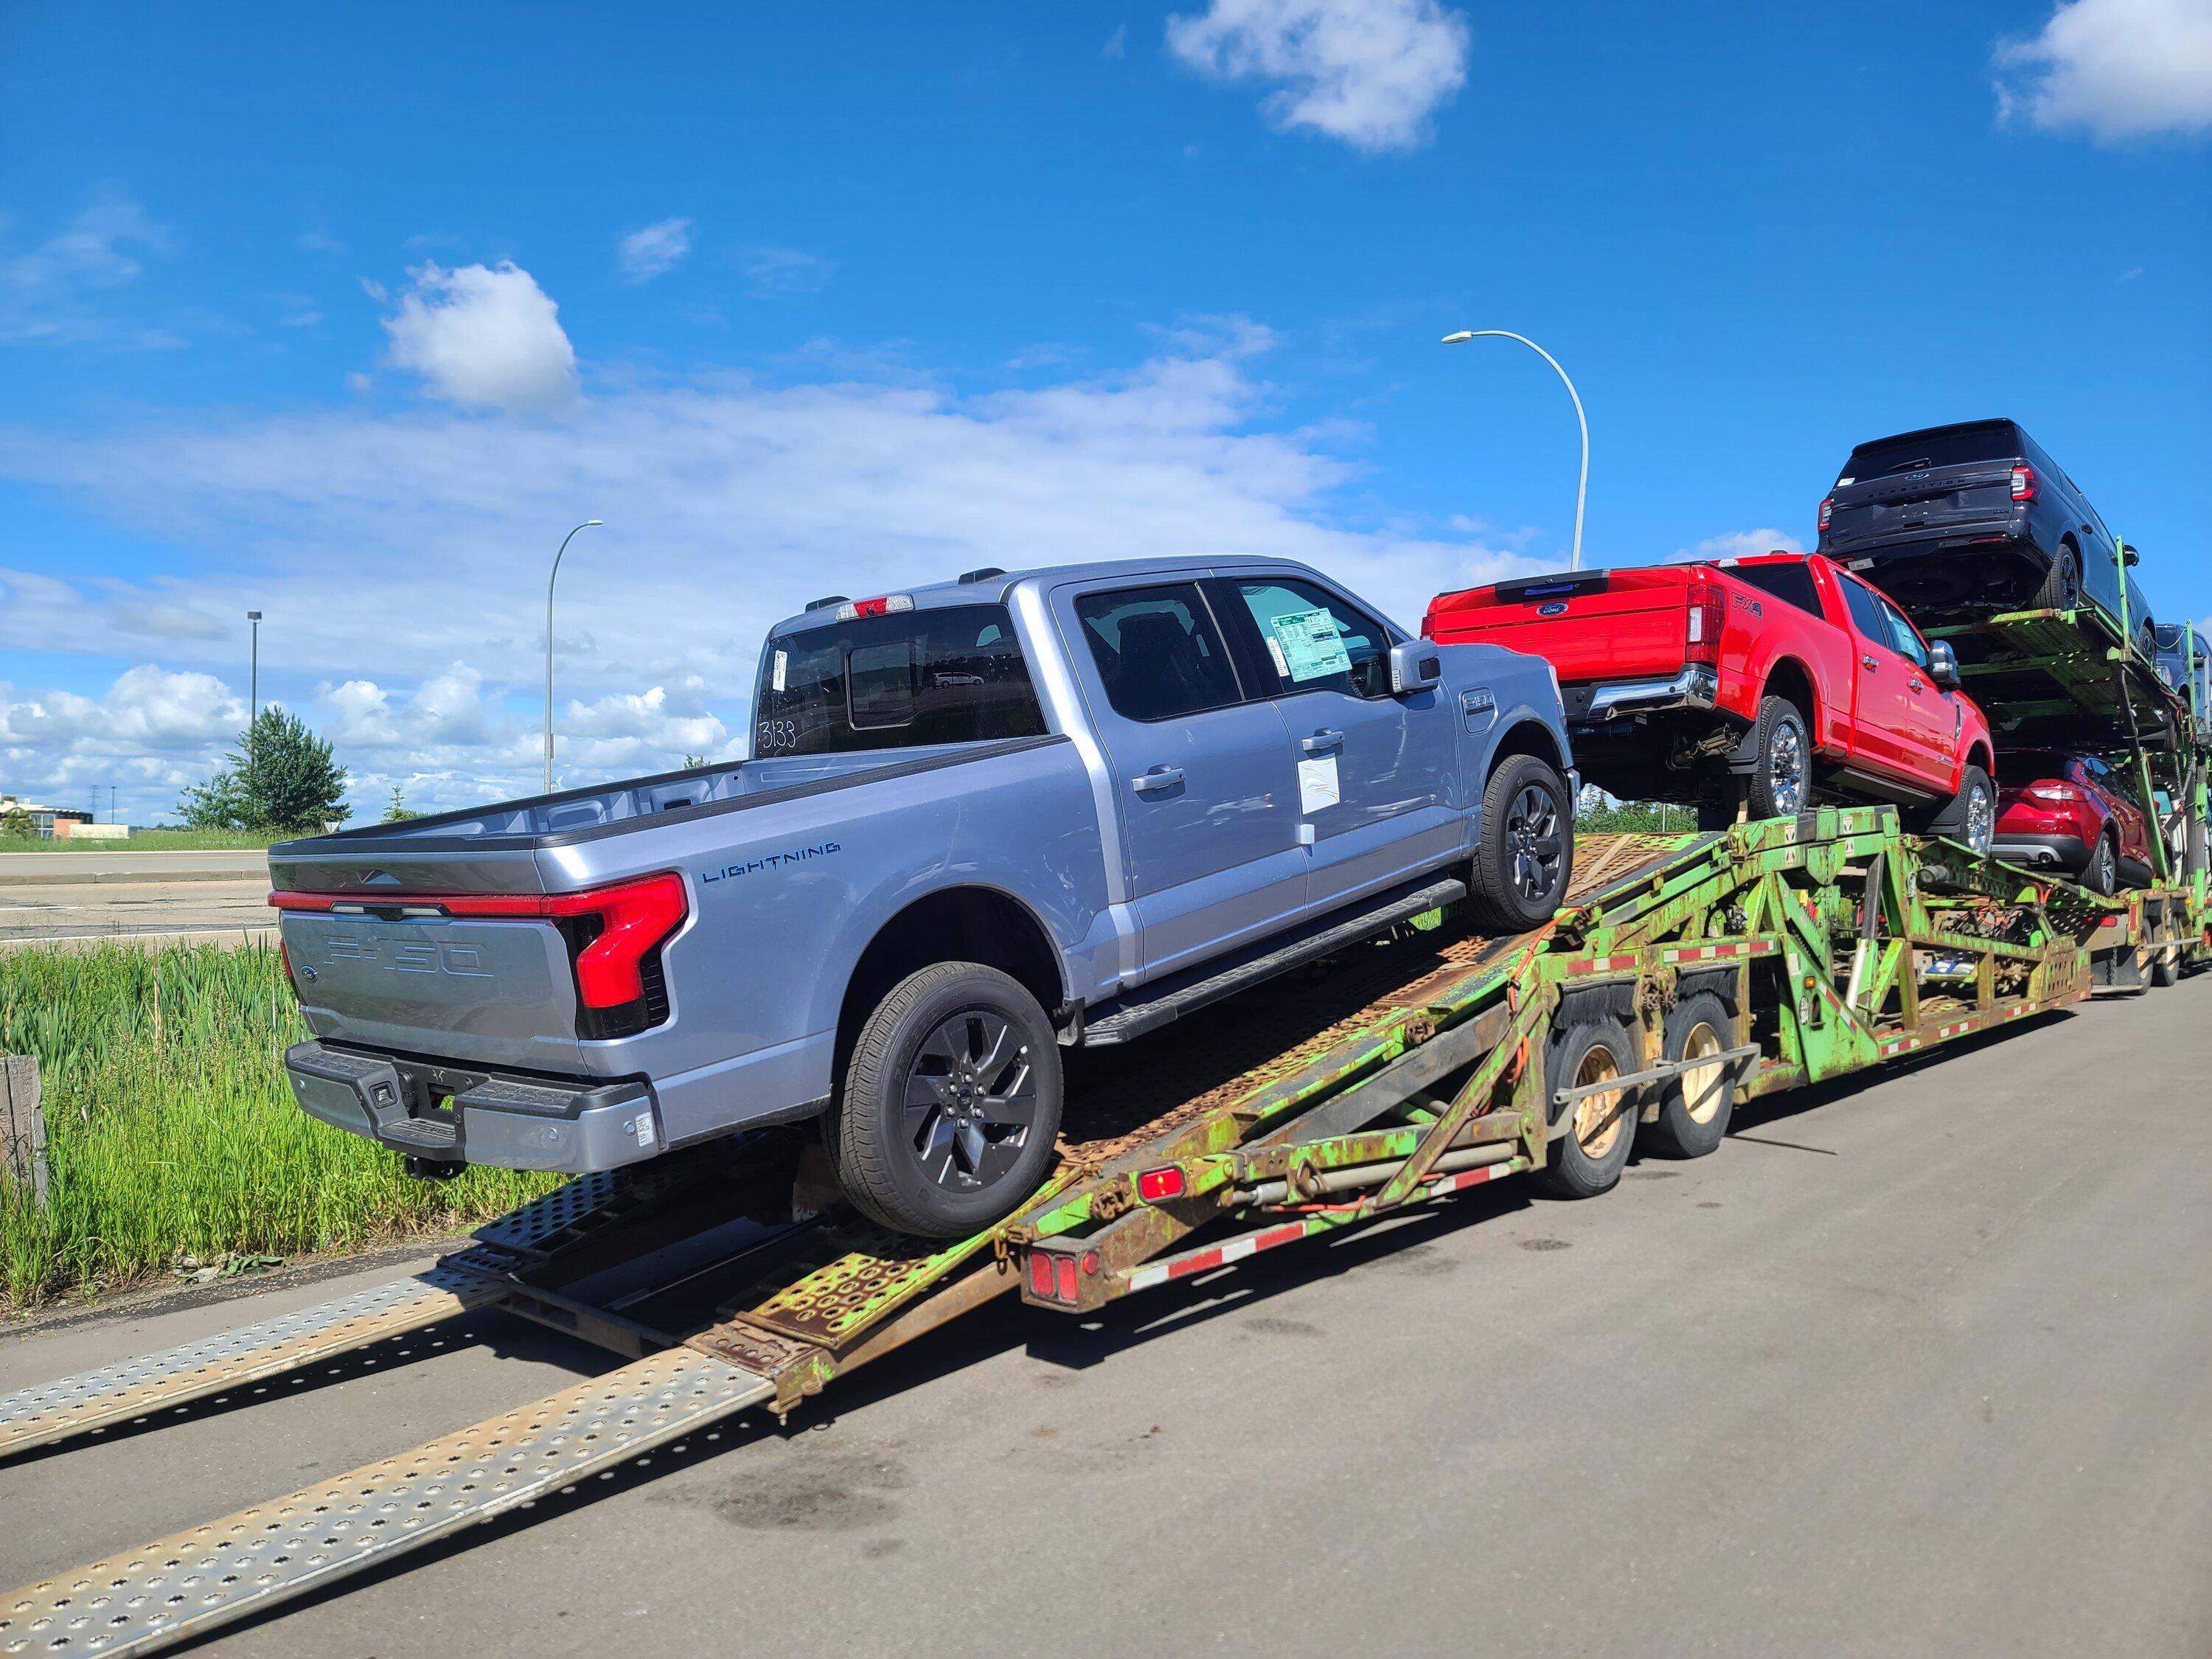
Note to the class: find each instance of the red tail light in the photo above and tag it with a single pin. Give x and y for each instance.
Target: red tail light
(2065, 794)
(1063, 1273)
(1827, 509)
(1040, 1273)
(1701, 641)
(1155, 1185)
(632, 918)
(2023, 484)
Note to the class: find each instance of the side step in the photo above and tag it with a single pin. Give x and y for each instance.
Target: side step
(181, 1587)
(1154, 1006)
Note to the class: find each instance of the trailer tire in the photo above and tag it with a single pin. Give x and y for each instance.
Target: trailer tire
(1694, 1108)
(1782, 766)
(1525, 854)
(2164, 971)
(912, 1134)
(1970, 816)
(1600, 1130)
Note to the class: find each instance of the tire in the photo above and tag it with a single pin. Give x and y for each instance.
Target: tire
(2102, 872)
(960, 1041)
(1782, 773)
(2163, 972)
(1971, 816)
(2062, 585)
(1588, 1159)
(1525, 854)
(1694, 1108)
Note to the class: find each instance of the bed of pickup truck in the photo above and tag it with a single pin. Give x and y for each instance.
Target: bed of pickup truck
(1747, 685)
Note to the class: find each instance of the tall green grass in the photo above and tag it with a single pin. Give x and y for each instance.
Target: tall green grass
(145, 841)
(171, 1132)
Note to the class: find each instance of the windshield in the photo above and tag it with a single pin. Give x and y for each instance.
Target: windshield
(892, 681)
(1917, 451)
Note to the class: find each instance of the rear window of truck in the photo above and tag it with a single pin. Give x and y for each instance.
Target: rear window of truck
(898, 681)
(1792, 582)
(1924, 451)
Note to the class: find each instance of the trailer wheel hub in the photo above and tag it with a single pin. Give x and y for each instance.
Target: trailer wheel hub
(1598, 1116)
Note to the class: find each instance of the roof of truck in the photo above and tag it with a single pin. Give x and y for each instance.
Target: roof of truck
(993, 588)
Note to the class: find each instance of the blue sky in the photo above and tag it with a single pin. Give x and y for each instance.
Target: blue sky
(348, 313)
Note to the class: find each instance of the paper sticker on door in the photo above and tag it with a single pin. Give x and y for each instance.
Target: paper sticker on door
(1317, 784)
(1309, 645)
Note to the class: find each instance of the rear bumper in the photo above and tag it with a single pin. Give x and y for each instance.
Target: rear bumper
(515, 1121)
(2067, 853)
(1595, 701)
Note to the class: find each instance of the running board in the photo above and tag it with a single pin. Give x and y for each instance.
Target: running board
(1150, 1009)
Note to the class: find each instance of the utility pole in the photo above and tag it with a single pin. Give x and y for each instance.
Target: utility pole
(253, 674)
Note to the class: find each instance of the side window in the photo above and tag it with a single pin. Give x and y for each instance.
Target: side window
(1866, 612)
(1909, 644)
(1158, 651)
(1317, 643)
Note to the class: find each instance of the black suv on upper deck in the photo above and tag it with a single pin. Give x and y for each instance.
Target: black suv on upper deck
(1957, 522)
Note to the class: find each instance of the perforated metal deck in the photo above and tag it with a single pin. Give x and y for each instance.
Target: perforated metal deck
(184, 1586)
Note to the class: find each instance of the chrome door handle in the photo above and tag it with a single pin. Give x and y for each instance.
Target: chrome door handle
(1324, 739)
(1160, 777)
(1869, 662)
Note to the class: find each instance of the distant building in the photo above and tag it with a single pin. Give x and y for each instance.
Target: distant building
(62, 821)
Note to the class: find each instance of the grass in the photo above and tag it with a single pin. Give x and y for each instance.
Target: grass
(143, 840)
(170, 1132)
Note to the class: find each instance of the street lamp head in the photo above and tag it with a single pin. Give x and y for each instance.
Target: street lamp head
(253, 615)
(588, 523)
(1460, 338)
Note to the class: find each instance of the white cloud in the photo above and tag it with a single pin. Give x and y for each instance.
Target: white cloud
(1369, 72)
(644, 254)
(317, 241)
(483, 336)
(1741, 543)
(776, 273)
(1117, 43)
(45, 291)
(2120, 69)
(400, 556)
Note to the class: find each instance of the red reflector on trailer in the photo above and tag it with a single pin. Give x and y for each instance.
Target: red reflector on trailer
(1063, 1270)
(1154, 1185)
(1040, 1273)
(1090, 1264)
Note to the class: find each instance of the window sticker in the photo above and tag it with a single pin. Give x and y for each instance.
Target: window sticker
(776, 678)
(1308, 645)
(1275, 650)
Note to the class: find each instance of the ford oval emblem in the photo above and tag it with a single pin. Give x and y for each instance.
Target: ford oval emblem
(1557, 608)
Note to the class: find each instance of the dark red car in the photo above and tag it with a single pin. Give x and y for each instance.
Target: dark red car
(2070, 811)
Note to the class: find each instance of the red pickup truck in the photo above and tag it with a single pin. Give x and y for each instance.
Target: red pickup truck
(1782, 675)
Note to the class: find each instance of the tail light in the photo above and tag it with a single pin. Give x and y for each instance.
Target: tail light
(1155, 1186)
(1701, 638)
(614, 935)
(854, 610)
(2063, 794)
(1827, 511)
(2023, 484)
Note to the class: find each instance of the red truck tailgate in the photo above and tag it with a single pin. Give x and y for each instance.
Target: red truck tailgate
(1598, 623)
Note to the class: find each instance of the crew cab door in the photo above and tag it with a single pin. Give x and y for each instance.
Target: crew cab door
(1930, 735)
(1202, 785)
(1881, 709)
(1375, 772)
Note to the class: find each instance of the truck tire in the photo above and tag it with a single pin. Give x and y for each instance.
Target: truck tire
(1781, 771)
(1694, 1108)
(1600, 1129)
(951, 1103)
(2102, 872)
(1972, 814)
(2062, 585)
(1525, 854)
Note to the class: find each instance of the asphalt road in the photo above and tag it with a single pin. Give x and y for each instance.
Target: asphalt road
(248, 863)
(1920, 1367)
(78, 899)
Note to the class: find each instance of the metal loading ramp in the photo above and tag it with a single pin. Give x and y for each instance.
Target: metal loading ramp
(1410, 1070)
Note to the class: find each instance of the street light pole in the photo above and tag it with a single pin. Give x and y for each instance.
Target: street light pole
(586, 525)
(1582, 484)
(253, 673)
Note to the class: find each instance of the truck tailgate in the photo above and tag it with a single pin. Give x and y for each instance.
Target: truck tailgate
(1594, 625)
(493, 992)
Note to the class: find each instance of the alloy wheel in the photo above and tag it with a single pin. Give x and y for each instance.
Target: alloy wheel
(1981, 818)
(969, 1101)
(1535, 842)
(1785, 768)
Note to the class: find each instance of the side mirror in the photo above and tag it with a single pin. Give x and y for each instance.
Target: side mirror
(2130, 554)
(1414, 666)
(1943, 665)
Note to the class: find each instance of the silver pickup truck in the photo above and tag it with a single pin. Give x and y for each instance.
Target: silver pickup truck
(984, 821)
